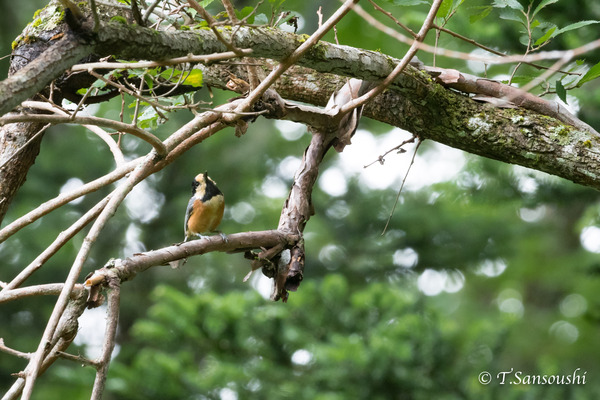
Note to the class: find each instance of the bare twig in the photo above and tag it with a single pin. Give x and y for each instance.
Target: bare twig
(48, 289)
(58, 343)
(203, 59)
(490, 50)
(32, 139)
(507, 59)
(128, 91)
(65, 198)
(58, 243)
(149, 10)
(212, 24)
(112, 318)
(78, 359)
(101, 133)
(13, 352)
(89, 120)
(381, 158)
(118, 196)
(412, 161)
(415, 45)
(396, 21)
(292, 58)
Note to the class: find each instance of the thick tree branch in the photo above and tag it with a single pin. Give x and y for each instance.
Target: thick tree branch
(128, 268)
(421, 106)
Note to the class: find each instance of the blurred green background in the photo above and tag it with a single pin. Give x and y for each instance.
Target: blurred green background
(485, 266)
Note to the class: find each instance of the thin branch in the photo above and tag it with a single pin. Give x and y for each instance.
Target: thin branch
(412, 161)
(58, 243)
(381, 158)
(230, 11)
(65, 198)
(13, 352)
(112, 318)
(89, 120)
(59, 342)
(20, 149)
(101, 133)
(396, 21)
(128, 268)
(506, 59)
(212, 24)
(149, 10)
(48, 289)
(118, 196)
(490, 50)
(292, 58)
(203, 59)
(79, 359)
(128, 91)
(548, 73)
(401, 65)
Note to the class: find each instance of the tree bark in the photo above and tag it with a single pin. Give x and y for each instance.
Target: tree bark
(430, 111)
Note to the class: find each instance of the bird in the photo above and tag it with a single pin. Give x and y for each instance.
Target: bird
(205, 208)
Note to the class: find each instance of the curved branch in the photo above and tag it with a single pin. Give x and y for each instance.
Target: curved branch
(101, 133)
(88, 120)
(58, 243)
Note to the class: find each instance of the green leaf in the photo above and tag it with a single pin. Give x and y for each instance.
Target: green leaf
(592, 74)
(148, 118)
(543, 4)
(485, 11)
(512, 15)
(170, 74)
(206, 3)
(99, 84)
(149, 82)
(549, 33)
(136, 72)
(261, 19)
(514, 4)
(244, 12)
(576, 25)
(444, 9)
(561, 91)
(194, 78)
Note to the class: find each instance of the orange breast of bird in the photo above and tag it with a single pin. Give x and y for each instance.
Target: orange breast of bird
(207, 215)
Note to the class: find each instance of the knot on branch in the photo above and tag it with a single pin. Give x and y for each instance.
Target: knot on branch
(284, 266)
(97, 281)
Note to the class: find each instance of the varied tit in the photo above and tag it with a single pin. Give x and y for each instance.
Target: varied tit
(205, 209)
